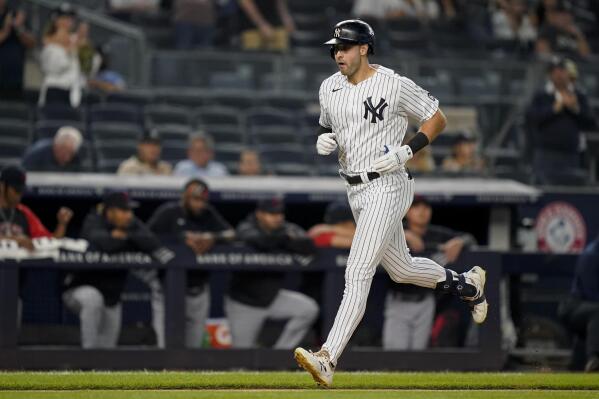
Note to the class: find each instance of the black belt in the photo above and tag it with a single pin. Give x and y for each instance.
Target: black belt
(357, 179)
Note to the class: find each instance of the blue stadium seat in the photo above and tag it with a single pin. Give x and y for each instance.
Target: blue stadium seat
(155, 114)
(273, 134)
(226, 134)
(113, 131)
(61, 113)
(115, 112)
(110, 153)
(15, 128)
(173, 132)
(216, 115)
(15, 110)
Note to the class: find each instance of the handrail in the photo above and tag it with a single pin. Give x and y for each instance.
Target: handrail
(136, 70)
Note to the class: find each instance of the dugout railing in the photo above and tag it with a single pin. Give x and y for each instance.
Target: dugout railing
(488, 355)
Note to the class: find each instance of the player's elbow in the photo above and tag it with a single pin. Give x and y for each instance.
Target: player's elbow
(441, 119)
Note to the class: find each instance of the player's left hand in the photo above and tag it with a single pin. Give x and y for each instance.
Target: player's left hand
(393, 159)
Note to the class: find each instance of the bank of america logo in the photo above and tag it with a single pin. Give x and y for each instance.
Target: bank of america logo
(376, 113)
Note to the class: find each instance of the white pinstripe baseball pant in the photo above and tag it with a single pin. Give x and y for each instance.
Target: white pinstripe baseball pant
(378, 207)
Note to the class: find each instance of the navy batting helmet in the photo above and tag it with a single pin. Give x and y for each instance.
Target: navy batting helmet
(352, 31)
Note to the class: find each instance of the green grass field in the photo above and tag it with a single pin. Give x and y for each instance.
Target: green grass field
(286, 385)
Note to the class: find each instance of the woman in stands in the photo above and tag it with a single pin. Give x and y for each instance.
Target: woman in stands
(59, 60)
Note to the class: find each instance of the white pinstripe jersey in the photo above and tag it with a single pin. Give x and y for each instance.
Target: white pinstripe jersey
(374, 113)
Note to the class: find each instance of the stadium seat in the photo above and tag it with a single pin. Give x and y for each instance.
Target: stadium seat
(269, 116)
(173, 132)
(226, 134)
(15, 128)
(110, 153)
(216, 115)
(273, 134)
(15, 110)
(113, 131)
(58, 112)
(155, 114)
(173, 151)
(115, 112)
(138, 99)
(12, 149)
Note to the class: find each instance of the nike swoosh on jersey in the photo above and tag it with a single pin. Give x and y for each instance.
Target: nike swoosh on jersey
(334, 90)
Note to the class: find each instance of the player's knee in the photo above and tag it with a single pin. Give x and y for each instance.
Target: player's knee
(90, 298)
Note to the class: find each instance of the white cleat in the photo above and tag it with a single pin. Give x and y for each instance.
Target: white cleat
(478, 303)
(317, 364)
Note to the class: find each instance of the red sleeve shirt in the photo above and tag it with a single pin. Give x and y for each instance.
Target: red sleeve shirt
(36, 228)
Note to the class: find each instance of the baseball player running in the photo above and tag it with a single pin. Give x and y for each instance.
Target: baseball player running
(364, 111)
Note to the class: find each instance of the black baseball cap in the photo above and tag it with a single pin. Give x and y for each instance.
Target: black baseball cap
(119, 199)
(151, 137)
(463, 138)
(14, 176)
(420, 200)
(338, 212)
(271, 205)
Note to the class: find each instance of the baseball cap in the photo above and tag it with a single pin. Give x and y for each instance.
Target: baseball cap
(463, 138)
(420, 200)
(271, 205)
(14, 176)
(200, 191)
(151, 137)
(119, 199)
(556, 62)
(338, 212)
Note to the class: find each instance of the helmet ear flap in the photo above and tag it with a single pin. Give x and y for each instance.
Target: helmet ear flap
(332, 49)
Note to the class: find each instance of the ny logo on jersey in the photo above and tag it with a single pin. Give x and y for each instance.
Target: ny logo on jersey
(375, 112)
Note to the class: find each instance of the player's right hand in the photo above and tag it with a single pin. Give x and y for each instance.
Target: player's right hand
(326, 143)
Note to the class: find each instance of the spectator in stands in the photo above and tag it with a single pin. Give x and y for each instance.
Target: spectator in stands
(580, 312)
(424, 10)
(265, 24)
(200, 161)
(15, 39)
(511, 21)
(249, 163)
(410, 310)
(195, 23)
(463, 158)
(95, 295)
(63, 153)
(63, 80)
(147, 160)
(338, 228)
(254, 297)
(555, 118)
(192, 222)
(106, 79)
(560, 34)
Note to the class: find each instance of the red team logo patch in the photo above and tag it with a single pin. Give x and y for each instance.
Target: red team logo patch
(561, 229)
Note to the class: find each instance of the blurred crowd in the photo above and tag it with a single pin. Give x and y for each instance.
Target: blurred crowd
(73, 64)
